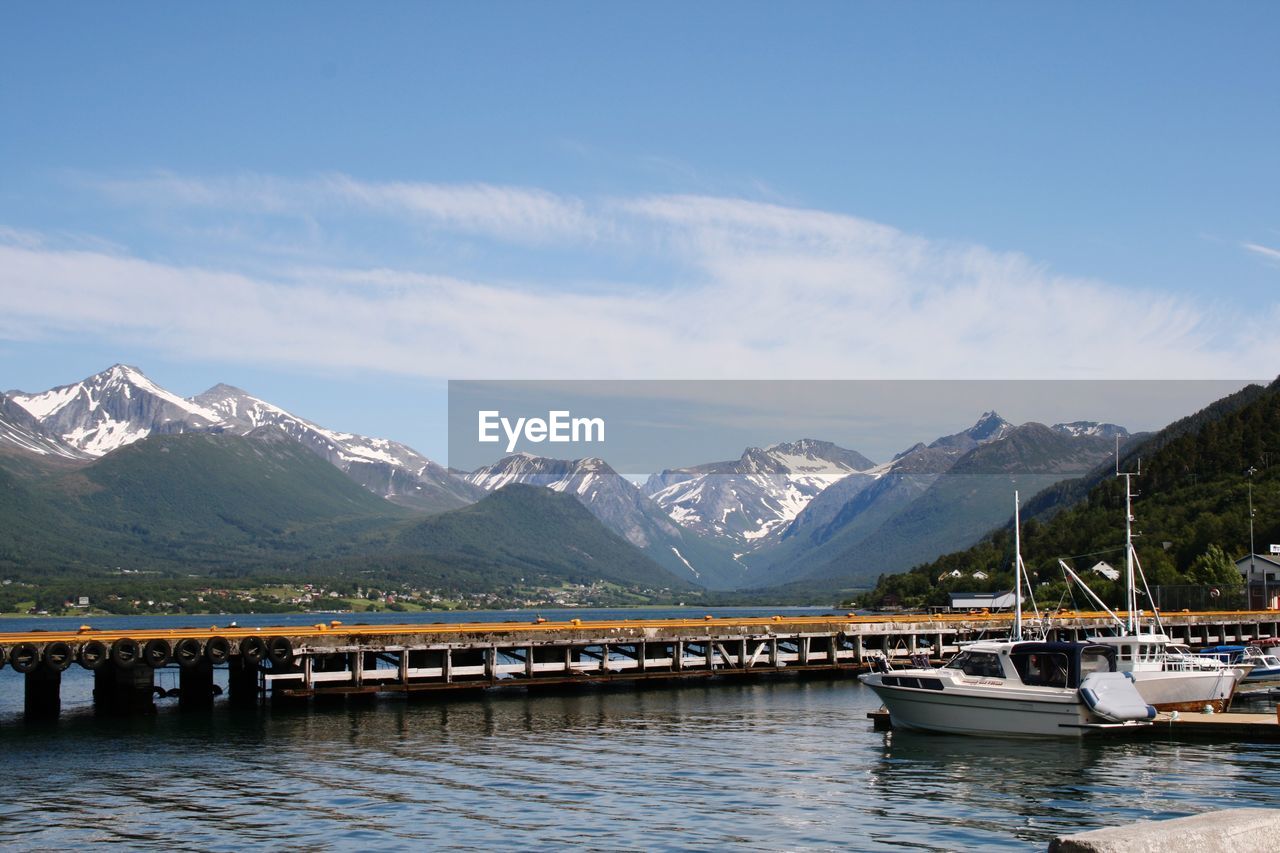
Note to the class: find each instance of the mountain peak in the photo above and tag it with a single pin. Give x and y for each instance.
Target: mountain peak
(989, 427)
(222, 389)
(112, 408)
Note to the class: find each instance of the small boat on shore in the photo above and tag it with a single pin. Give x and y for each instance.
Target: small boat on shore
(1015, 687)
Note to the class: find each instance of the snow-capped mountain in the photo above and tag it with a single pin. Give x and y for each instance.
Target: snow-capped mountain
(20, 430)
(748, 500)
(120, 405)
(113, 408)
(387, 468)
(928, 499)
(990, 427)
(622, 507)
(1091, 429)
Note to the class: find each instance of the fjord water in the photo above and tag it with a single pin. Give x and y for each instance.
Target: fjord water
(781, 764)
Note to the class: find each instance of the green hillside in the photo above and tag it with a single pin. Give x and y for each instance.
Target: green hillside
(184, 503)
(1192, 512)
(170, 514)
(521, 532)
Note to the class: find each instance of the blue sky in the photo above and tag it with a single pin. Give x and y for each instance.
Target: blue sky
(340, 207)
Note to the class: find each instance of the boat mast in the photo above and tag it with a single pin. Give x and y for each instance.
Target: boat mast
(1016, 633)
(1131, 593)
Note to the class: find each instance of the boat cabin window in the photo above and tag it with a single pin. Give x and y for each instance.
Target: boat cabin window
(1093, 661)
(1042, 669)
(980, 664)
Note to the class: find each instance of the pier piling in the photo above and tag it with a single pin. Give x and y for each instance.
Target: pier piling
(42, 698)
(124, 689)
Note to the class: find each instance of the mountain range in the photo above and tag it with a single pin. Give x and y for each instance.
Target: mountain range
(806, 511)
(120, 406)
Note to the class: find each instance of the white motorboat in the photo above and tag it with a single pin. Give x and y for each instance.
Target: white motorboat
(1260, 665)
(1015, 687)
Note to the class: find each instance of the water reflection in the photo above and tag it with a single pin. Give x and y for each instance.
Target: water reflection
(786, 764)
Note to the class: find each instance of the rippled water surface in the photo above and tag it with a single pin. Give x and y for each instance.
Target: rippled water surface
(783, 764)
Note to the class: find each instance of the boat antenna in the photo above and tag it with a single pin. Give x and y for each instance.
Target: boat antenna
(1131, 586)
(1016, 633)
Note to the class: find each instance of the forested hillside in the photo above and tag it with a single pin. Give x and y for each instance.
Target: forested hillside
(1192, 513)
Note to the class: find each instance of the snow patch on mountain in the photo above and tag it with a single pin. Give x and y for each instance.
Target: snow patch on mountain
(19, 429)
(388, 468)
(750, 499)
(1078, 429)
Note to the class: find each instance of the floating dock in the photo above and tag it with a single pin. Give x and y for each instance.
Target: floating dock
(334, 659)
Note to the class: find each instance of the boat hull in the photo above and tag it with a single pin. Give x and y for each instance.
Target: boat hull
(956, 711)
(1188, 691)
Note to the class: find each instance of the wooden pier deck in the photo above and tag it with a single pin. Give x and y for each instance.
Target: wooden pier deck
(336, 659)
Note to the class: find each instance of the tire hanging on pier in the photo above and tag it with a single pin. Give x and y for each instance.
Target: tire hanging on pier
(93, 654)
(157, 653)
(253, 650)
(126, 652)
(24, 657)
(188, 652)
(57, 655)
(4, 656)
(217, 650)
(280, 650)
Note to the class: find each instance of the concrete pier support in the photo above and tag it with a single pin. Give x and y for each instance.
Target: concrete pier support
(124, 690)
(195, 687)
(242, 682)
(43, 694)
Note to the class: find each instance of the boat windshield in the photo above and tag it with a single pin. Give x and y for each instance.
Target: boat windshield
(979, 664)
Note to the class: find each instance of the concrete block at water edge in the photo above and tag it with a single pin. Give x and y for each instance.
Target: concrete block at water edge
(1234, 830)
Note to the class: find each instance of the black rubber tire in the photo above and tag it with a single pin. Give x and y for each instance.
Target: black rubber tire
(4, 656)
(217, 650)
(188, 652)
(24, 657)
(253, 649)
(57, 655)
(157, 653)
(94, 655)
(280, 651)
(126, 653)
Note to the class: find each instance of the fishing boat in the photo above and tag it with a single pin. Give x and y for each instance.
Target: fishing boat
(1015, 687)
(1166, 675)
(1265, 666)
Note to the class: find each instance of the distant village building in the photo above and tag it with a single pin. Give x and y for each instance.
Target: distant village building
(981, 600)
(1260, 573)
(980, 575)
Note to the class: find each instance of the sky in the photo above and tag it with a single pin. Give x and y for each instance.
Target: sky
(339, 208)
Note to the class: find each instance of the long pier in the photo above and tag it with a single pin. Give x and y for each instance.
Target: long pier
(334, 659)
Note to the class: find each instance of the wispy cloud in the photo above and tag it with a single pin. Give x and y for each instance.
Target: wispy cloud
(748, 290)
(1265, 251)
(519, 214)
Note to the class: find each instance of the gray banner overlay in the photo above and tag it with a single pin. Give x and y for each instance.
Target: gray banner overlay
(641, 427)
